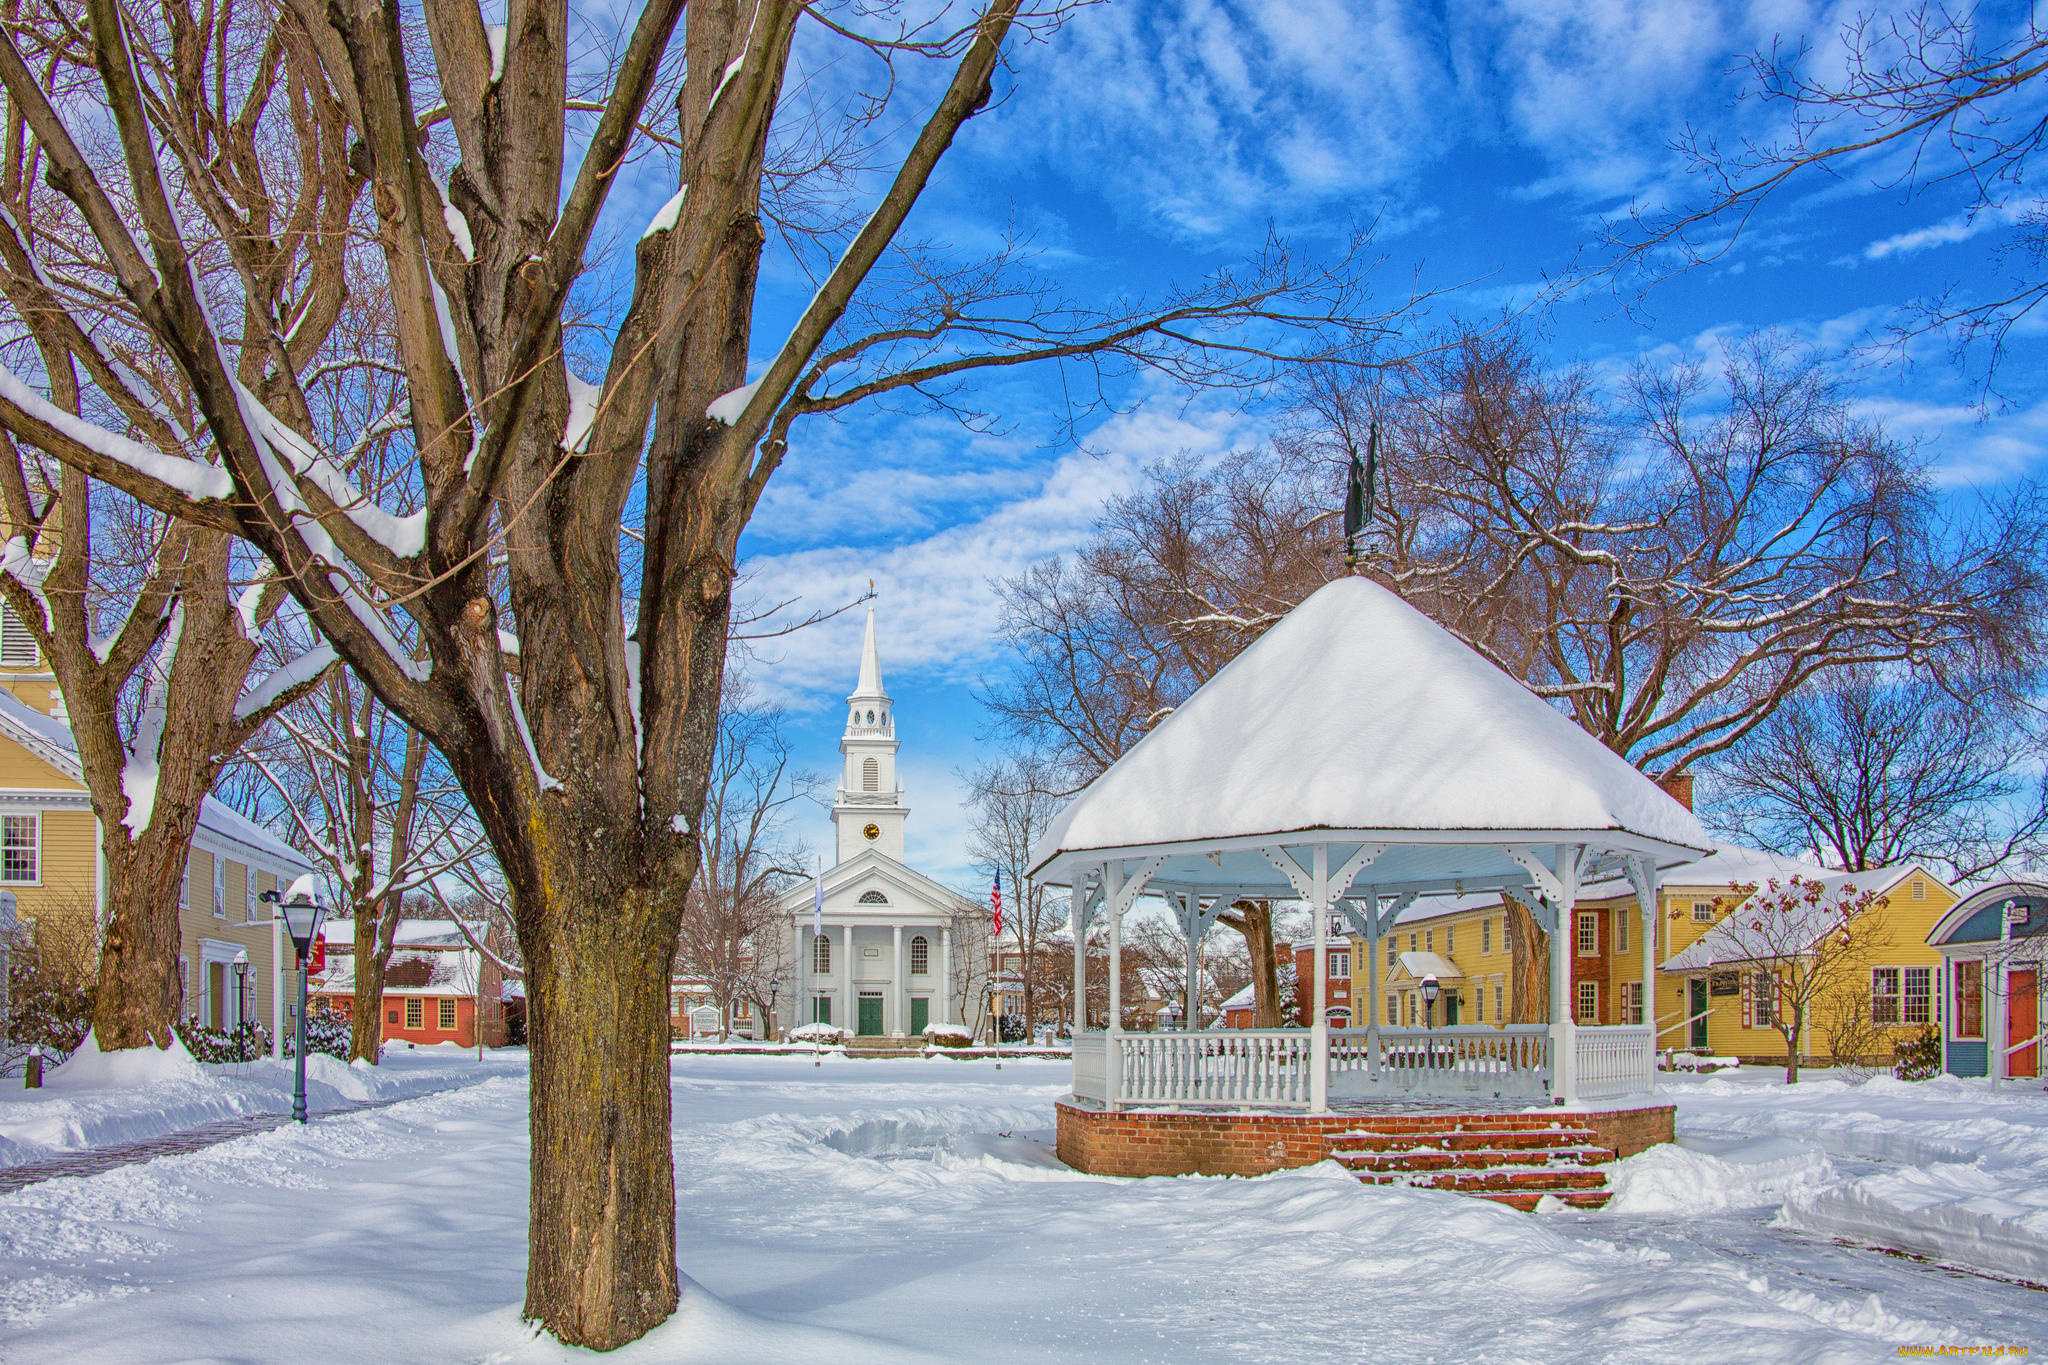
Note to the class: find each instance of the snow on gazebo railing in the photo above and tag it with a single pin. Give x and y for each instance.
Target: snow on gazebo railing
(1387, 762)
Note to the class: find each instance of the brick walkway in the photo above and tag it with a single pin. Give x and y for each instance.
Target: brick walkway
(99, 1159)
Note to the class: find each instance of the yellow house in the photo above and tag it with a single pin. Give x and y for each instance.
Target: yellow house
(50, 856)
(1465, 944)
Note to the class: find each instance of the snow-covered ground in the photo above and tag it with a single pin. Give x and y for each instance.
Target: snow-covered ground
(102, 1099)
(867, 1210)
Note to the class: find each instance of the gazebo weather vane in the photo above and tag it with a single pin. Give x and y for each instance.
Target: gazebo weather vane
(1358, 495)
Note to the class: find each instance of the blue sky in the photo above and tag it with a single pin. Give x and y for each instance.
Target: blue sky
(1152, 140)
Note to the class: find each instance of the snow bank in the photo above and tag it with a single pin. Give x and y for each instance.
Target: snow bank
(99, 1099)
(1977, 1216)
(1676, 1178)
(948, 1035)
(90, 1068)
(819, 1033)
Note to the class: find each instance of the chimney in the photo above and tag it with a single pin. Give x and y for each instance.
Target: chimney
(1677, 786)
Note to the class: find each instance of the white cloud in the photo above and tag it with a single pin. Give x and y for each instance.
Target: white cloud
(1960, 227)
(934, 599)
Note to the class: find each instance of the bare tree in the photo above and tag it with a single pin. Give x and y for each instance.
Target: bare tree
(732, 938)
(1869, 769)
(1934, 96)
(588, 770)
(1011, 800)
(364, 794)
(1796, 944)
(971, 966)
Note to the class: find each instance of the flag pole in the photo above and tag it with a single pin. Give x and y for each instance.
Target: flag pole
(817, 931)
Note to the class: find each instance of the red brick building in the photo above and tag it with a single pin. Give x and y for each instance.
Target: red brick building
(435, 987)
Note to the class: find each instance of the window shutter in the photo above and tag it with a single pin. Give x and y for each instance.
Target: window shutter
(17, 646)
(1748, 1000)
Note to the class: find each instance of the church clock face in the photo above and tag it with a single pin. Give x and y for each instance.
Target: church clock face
(871, 832)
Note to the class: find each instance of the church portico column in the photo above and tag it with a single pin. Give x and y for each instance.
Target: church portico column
(944, 994)
(899, 1016)
(849, 1007)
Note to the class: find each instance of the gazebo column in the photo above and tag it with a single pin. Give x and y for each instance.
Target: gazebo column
(1112, 901)
(1372, 988)
(1319, 1041)
(1557, 888)
(1192, 924)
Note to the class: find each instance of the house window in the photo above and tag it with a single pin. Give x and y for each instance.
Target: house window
(1413, 944)
(1919, 996)
(249, 901)
(1589, 1002)
(1393, 1011)
(920, 956)
(1969, 998)
(220, 887)
(1631, 1002)
(1621, 931)
(1479, 1004)
(1391, 946)
(447, 1016)
(870, 773)
(1589, 934)
(1500, 1010)
(1763, 1010)
(821, 954)
(1450, 938)
(1702, 912)
(1340, 965)
(872, 898)
(1411, 1010)
(20, 848)
(1485, 937)
(1429, 940)
(185, 884)
(413, 1013)
(1884, 995)
(17, 646)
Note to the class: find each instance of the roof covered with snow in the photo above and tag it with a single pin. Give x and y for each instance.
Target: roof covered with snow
(1356, 713)
(50, 739)
(1742, 936)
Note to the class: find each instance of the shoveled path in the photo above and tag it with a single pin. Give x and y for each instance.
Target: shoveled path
(98, 1159)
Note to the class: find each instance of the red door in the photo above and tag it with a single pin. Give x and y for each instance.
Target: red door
(2023, 1021)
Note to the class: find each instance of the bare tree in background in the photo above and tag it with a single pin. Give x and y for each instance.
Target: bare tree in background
(154, 627)
(366, 797)
(1931, 98)
(588, 770)
(732, 938)
(1011, 800)
(1870, 769)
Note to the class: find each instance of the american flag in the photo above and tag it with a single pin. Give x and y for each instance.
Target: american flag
(995, 900)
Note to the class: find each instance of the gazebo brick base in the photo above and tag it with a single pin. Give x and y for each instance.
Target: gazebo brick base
(1139, 1142)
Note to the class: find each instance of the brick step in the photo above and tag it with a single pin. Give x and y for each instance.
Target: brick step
(1496, 1179)
(1468, 1158)
(1452, 1123)
(1527, 1201)
(1466, 1140)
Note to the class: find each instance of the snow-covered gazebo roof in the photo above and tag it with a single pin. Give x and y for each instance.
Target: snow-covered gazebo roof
(1356, 719)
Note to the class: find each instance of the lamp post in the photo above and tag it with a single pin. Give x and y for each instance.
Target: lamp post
(242, 1006)
(1431, 989)
(302, 914)
(769, 1024)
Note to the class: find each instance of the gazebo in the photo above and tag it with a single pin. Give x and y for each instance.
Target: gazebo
(1356, 757)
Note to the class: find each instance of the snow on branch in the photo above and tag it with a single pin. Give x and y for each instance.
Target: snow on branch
(284, 679)
(197, 481)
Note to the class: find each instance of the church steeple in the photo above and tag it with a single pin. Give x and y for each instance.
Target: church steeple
(869, 811)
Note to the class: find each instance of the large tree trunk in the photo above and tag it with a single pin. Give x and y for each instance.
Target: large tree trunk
(1257, 928)
(373, 937)
(140, 992)
(1529, 965)
(601, 1266)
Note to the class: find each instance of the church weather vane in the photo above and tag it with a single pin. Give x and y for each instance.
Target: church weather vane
(1358, 495)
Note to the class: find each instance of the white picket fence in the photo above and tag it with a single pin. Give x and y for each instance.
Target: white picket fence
(1614, 1060)
(1458, 1062)
(1261, 1068)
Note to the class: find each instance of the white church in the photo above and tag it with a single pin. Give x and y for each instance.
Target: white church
(896, 951)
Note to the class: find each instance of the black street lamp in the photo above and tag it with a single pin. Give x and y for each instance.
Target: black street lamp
(1431, 988)
(302, 912)
(242, 1006)
(771, 1024)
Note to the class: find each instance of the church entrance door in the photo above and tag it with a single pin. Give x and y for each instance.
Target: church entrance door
(870, 1015)
(920, 1013)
